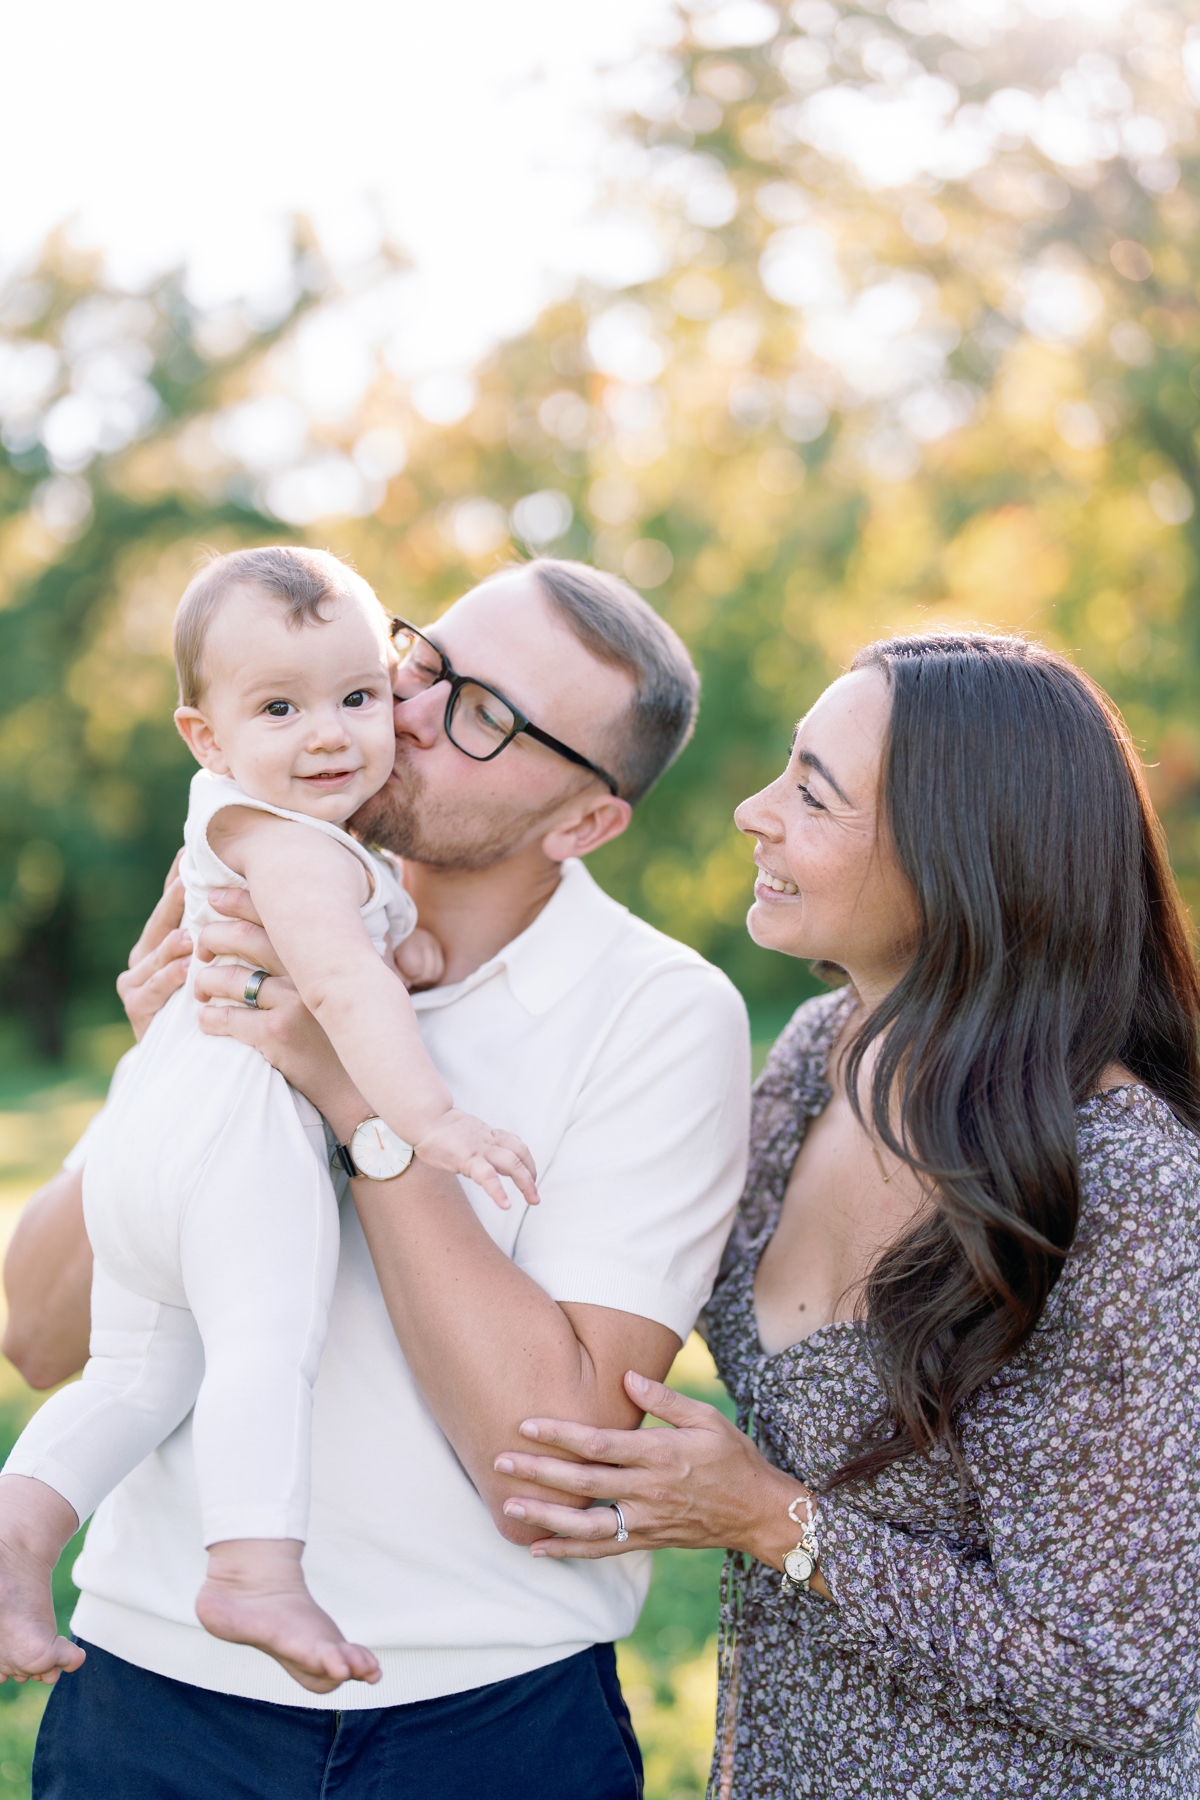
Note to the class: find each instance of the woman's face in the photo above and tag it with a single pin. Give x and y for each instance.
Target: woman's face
(829, 885)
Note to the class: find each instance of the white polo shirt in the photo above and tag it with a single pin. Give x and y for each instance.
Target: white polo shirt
(622, 1058)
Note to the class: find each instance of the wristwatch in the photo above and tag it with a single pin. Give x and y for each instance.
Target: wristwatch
(375, 1151)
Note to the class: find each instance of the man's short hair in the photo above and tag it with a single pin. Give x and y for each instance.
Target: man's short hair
(302, 580)
(620, 628)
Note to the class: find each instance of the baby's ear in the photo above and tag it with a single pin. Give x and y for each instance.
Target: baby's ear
(200, 739)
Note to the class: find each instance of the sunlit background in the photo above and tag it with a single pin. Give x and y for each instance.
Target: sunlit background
(813, 323)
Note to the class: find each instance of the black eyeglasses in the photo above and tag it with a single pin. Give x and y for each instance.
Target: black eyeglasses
(479, 721)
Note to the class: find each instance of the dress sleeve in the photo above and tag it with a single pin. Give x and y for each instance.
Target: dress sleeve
(1081, 1616)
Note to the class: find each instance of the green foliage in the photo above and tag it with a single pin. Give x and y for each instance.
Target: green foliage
(93, 776)
(849, 404)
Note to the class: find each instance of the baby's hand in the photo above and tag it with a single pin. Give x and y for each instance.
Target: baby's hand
(463, 1145)
(419, 961)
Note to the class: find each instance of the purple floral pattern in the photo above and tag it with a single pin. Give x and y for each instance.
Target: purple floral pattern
(1033, 1632)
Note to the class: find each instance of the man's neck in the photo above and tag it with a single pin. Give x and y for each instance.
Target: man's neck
(475, 912)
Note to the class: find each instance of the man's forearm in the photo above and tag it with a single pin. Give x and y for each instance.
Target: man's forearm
(48, 1279)
(486, 1345)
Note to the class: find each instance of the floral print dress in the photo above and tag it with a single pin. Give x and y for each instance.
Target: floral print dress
(1034, 1632)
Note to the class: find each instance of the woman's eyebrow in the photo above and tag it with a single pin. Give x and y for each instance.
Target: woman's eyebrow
(809, 761)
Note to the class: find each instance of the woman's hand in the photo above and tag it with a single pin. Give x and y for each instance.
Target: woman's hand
(701, 1486)
(158, 962)
(280, 1027)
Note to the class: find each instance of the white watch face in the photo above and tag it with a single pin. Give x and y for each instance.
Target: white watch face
(798, 1566)
(377, 1152)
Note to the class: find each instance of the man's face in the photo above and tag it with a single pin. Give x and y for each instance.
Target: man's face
(446, 810)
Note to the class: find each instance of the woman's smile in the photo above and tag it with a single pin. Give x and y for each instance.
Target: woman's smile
(774, 887)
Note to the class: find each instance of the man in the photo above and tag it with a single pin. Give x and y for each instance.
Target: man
(622, 1060)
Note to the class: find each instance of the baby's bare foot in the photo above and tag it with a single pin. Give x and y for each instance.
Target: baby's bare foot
(255, 1594)
(35, 1523)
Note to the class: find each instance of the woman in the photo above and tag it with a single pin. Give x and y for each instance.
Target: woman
(959, 1309)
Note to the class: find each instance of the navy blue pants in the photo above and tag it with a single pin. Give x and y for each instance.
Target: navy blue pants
(113, 1731)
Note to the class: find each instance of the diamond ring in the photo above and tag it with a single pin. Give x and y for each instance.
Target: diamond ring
(622, 1528)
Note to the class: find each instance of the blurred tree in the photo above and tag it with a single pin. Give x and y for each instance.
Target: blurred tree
(922, 346)
(93, 777)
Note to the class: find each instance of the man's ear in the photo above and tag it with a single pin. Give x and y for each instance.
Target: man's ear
(593, 822)
(200, 739)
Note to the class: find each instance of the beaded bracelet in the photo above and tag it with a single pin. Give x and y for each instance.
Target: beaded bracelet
(800, 1564)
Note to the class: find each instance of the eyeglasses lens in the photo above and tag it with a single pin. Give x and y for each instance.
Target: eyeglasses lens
(479, 722)
(418, 666)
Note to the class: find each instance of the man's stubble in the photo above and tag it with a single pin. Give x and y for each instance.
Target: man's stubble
(403, 818)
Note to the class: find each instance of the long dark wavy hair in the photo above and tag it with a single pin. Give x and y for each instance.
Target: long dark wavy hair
(1052, 942)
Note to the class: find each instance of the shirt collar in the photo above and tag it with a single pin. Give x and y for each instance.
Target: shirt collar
(567, 938)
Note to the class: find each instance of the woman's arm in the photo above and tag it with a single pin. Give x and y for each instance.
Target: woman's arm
(48, 1280)
(701, 1485)
(1082, 1619)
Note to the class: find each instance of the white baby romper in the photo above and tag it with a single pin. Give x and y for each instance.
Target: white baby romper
(211, 1212)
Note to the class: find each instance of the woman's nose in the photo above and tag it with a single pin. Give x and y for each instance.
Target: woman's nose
(756, 818)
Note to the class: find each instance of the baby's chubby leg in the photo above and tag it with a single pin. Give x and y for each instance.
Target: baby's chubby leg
(35, 1525)
(255, 1594)
(259, 1255)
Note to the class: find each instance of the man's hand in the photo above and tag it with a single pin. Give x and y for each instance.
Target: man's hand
(158, 962)
(419, 961)
(280, 1027)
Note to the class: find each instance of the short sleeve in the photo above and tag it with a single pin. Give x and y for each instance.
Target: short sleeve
(638, 1198)
(398, 902)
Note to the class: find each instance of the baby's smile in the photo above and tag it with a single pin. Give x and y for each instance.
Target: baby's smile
(328, 779)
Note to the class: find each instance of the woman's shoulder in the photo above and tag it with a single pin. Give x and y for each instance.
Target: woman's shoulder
(796, 1079)
(799, 1057)
(1139, 1170)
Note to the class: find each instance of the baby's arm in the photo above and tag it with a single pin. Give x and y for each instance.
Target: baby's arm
(308, 889)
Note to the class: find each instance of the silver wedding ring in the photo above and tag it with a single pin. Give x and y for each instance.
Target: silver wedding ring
(253, 986)
(622, 1529)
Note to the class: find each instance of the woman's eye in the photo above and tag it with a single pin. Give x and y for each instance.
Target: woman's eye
(808, 798)
(359, 697)
(277, 709)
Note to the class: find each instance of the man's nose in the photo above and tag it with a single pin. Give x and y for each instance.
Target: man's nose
(420, 719)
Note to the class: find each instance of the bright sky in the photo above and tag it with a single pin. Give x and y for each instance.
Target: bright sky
(470, 129)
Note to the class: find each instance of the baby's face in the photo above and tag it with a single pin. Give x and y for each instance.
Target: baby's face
(299, 717)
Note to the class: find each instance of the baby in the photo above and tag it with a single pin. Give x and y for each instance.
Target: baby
(207, 1189)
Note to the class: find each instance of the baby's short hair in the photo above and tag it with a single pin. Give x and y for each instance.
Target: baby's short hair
(303, 580)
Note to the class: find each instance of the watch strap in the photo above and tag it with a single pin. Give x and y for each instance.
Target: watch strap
(344, 1160)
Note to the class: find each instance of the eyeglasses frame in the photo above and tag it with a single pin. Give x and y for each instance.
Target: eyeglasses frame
(522, 723)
